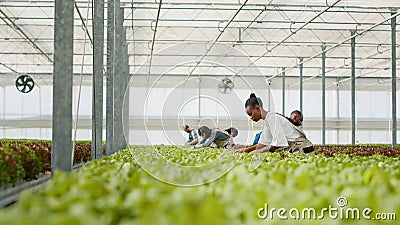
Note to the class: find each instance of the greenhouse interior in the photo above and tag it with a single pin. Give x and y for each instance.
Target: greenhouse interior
(199, 112)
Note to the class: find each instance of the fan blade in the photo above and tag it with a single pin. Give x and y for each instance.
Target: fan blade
(19, 82)
(23, 89)
(28, 79)
(30, 86)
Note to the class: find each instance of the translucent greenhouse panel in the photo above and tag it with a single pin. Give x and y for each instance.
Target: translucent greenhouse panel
(373, 104)
(345, 104)
(45, 133)
(2, 102)
(331, 137)
(85, 106)
(312, 104)
(29, 115)
(314, 136)
(276, 104)
(46, 100)
(344, 136)
(83, 134)
(33, 133)
(15, 133)
(293, 101)
(398, 101)
(13, 104)
(373, 137)
(137, 97)
(22, 110)
(138, 137)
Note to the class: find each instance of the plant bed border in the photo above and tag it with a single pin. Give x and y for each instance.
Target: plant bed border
(10, 193)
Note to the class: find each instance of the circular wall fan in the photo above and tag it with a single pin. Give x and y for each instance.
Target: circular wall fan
(226, 86)
(24, 83)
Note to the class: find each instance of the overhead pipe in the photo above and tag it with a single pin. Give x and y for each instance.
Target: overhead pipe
(154, 35)
(16, 28)
(363, 74)
(84, 26)
(289, 36)
(340, 43)
(362, 59)
(217, 38)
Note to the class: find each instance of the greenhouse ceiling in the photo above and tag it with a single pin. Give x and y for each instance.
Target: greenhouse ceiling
(253, 38)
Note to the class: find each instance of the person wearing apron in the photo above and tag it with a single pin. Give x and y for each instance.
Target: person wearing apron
(278, 132)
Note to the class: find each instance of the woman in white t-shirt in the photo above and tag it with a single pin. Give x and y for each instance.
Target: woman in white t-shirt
(278, 131)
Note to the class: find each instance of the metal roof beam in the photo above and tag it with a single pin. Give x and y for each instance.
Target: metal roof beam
(217, 38)
(84, 24)
(215, 27)
(9, 68)
(129, 4)
(292, 33)
(154, 34)
(340, 43)
(20, 32)
(244, 42)
(205, 66)
(89, 75)
(193, 55)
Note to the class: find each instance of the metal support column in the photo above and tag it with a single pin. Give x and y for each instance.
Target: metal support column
(323, 96)
(125, 112)
(283, 90)
(337, 110)
(97, 89)
(394, 102)
(61, 154)
(110, 79)
(199, 102)
(301, 85)
(353, 89)
(119, 88)
(269, 95)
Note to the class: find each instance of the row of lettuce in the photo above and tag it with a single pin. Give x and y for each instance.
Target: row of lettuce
(116, 190)
(27, 159)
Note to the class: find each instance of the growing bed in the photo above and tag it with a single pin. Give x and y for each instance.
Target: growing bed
(116, 190)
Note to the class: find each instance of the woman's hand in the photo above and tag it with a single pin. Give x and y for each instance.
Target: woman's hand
(261, 150)
(240, 150)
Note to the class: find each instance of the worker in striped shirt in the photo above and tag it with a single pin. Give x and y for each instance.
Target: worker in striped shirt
(193, 137)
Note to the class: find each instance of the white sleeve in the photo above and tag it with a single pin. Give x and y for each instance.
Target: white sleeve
(277, 132)
(266, 137)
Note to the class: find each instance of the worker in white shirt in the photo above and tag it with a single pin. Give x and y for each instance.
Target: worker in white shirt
(278, 132)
